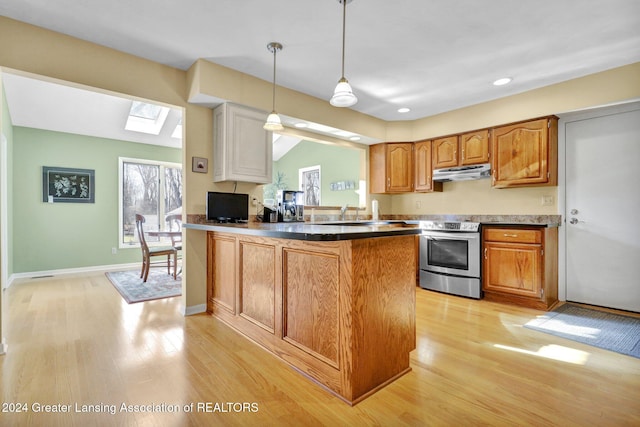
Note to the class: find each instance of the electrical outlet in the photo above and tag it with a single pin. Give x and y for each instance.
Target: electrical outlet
(114, 251)
(547, 200)
(418, 204)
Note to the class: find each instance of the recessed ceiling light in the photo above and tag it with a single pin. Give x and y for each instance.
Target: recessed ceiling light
(403, 110)
(301, 125)
(502, 81)
(355, 138)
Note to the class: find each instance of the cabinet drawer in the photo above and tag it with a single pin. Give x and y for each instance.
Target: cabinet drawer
(512, 235)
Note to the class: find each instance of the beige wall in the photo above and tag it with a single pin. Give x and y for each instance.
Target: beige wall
(34, 50)
(30, 49)
(477, 197)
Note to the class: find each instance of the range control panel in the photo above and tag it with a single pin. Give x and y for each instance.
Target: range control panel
(450, 226)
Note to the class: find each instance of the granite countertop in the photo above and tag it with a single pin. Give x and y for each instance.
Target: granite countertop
(308, 231)
(534, 220)
(393, 225)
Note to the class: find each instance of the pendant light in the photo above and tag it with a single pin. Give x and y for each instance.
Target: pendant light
(273, 120)
(343, 94)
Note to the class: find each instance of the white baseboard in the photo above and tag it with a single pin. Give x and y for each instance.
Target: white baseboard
(70, 271)
(194, 309)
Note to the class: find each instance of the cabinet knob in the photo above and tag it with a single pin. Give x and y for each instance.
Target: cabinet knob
(485, 253)
(510, 235)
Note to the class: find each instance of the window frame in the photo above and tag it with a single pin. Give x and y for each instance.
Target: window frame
(161, 188)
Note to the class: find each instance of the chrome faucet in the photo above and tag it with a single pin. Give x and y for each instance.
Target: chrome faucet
(343, 211)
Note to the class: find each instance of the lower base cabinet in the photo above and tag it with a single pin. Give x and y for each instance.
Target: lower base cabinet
(341, 312)
(520, 266)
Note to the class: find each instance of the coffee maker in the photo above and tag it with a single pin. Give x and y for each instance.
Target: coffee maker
(290, 205)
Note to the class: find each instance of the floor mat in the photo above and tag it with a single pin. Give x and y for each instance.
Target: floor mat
(158, 285)
(602, 329)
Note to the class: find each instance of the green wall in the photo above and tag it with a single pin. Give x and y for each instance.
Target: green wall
(70, 235)
(336, 164)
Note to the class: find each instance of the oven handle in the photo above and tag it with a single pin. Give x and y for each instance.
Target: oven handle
(451, 236)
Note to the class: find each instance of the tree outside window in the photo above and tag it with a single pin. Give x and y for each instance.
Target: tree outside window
(152, 189)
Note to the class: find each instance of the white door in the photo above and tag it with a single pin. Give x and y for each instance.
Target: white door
(603, 208)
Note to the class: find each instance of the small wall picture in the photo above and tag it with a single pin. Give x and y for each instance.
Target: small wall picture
(68, 185)
(199, 164)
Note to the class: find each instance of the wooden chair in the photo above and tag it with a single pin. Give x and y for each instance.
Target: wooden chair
(175, 221)
(148, 252)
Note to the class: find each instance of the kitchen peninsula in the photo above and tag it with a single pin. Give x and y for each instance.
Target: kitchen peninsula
(336, 302)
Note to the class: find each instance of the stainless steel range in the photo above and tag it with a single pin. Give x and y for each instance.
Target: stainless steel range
(450, 257)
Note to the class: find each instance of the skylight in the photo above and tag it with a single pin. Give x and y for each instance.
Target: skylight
(146, 118)
(177, 132)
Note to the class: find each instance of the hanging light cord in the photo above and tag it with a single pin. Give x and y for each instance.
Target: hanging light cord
(274, 79)
(344, 25)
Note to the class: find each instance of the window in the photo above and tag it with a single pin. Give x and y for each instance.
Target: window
(150, 188)
(146, 118)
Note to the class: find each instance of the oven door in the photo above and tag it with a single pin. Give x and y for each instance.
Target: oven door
(455, 253)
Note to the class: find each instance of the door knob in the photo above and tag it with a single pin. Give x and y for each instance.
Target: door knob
(574, 221)
(574, 211)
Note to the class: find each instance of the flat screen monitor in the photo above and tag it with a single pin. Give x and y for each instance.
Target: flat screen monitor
(227, 207)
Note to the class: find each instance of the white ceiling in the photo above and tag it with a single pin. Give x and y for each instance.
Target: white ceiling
(429, 55)
(46, 105)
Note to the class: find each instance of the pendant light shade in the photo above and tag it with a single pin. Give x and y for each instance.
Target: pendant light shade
(273, 120)
(343, 94)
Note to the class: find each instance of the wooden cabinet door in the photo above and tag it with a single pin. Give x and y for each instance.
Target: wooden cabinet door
(257, 264)
(400, 167)
(445, 152)
(243, 150)
(422, 163)
(221, 277)
(525, 154)
(474, 147)
(378, 168)
(513, 268)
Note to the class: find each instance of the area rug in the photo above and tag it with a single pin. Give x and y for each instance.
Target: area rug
(601, 329)
(159, 285)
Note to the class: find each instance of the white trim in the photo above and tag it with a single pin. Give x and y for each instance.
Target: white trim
(194, 309)
(68, 271)
(4, 214)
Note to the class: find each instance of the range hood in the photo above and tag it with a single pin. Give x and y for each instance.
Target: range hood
(462, 173)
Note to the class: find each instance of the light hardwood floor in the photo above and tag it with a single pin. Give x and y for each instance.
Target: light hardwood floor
(74, 341)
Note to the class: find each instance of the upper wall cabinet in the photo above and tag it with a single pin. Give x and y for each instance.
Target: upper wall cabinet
(242, 149)
(525, 154)
(474, 147)
(445, 152)
(391, 167)
(470, 148)
(423, 171)
(401, 167)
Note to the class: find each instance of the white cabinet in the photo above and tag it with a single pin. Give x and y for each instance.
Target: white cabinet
(242, 149)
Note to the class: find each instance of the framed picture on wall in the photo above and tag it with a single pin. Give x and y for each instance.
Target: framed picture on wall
(309, 179)
(68, 185)
(199, 164)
